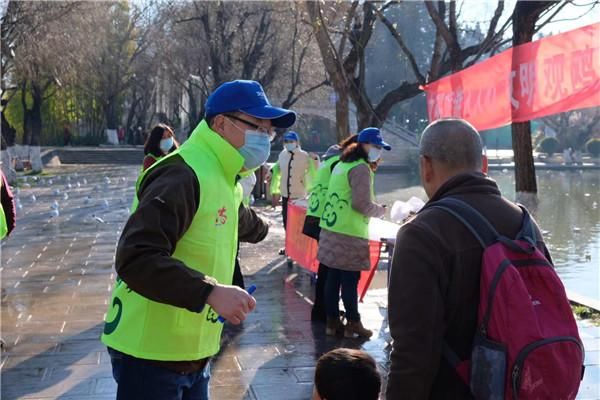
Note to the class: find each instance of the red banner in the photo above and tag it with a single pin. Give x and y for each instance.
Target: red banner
(551, 75)
(303, 249)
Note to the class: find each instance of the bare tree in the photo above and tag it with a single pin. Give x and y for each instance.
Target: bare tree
(346, 66)
(525, 19)
(264, 41)
(32, 37)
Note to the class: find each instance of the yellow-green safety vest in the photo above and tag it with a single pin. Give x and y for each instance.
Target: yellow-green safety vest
(3, 224)
(318, 195)
(150, 330)
(338, 214)
(275, 180)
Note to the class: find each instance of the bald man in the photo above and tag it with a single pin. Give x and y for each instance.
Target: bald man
(434, 280)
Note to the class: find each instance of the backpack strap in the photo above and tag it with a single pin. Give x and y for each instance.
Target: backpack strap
(481, 228)
(527, 232)
(476, 223)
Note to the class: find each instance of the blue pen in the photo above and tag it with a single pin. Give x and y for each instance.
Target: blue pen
(250, 290)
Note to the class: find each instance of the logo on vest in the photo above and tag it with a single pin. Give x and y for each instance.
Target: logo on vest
(332, 208)
(212, 316)
(221, 218)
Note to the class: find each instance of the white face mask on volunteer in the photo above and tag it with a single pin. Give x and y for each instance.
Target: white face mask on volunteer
(291, 146)
(256, 149)
(374, 154)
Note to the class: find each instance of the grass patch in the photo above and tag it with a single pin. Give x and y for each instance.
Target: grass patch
(41, 173)
(586, 313)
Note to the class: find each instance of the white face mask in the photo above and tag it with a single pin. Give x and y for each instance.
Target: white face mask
(374, 154)
(166, 144)
(256, 149)
(291, 146)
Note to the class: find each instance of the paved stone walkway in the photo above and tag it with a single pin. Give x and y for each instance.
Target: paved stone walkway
(57, 273)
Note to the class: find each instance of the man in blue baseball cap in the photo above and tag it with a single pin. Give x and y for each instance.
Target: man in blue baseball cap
(240, 112)
(176, 254)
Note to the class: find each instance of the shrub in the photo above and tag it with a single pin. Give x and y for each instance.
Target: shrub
(549, 146)
(593, 147)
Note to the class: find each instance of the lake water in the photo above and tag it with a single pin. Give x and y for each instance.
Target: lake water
(568, 214)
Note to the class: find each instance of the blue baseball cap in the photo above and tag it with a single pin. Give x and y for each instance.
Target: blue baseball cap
(291, 135)
(248, 97)
(373, 136)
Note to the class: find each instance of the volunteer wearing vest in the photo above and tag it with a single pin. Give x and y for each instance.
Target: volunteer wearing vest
(274, 180)
(252, 229)
(160, 142)
(311, 228)
(297, 168)
(344, 237)
(7, 216)
(176, 255)
(8, 209)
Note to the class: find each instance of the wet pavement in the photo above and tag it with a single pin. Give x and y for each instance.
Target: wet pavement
(57, 273)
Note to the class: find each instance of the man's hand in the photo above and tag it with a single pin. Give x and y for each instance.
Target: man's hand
(231, 302)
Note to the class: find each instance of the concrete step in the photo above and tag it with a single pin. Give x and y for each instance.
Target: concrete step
(93, 155)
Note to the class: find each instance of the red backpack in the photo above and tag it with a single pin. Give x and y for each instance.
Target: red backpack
(527, 345)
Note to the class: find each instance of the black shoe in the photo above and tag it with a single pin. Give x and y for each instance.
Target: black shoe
(282, 251)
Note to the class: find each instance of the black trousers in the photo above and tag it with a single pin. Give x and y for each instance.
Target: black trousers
(318, 312)
(284, 203)
(238, 278)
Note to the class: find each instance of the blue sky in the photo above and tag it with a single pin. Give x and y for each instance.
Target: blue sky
(570, 17)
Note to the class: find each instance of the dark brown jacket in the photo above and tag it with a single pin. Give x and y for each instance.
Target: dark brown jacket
(434, 289)
(169, 197)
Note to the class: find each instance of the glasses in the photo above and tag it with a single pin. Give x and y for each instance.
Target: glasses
(270, 132)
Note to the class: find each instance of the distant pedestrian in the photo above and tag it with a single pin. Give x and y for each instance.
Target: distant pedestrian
(160, 142)
(121, 135)
(66, 136)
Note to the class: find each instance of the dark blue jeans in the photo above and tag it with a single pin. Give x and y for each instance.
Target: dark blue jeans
(348, 280)
(140, 380)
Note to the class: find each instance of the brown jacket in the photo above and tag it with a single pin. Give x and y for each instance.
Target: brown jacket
(434, 289)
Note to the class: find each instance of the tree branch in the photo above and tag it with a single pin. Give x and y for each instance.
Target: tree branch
(291, 102)
(440, 25)
(396, 35)
(349, 17)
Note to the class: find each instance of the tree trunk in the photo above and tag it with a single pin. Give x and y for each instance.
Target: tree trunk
(26, 116)
(342, 112)
(36, 114)
(36, 128)
(111, 114)
(526, 185)
(525, 16)
(8, 132)
(193, 112)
